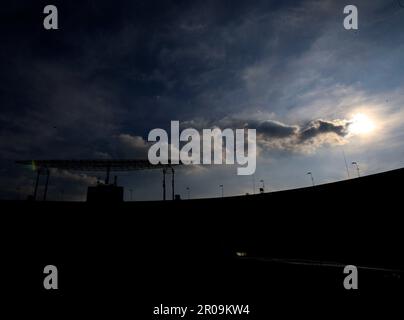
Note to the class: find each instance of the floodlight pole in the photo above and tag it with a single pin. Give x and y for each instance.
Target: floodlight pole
(46, 184)
(164, 183)
(346, 164)
(222, 187)
(357, 168)
(36, 183)
(107, 177)
(253, 177)
(312, 178)
(263, 184)
(173, 183)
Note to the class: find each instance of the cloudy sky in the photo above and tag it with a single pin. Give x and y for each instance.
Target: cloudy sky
(117, 69)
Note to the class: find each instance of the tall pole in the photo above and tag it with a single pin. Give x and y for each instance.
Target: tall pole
(164, 184)
(346, 164)
(36, 183)
(253, 177)
(107, 177)
(312, 178)
(357, 168)
(46, 184)
(172, 184)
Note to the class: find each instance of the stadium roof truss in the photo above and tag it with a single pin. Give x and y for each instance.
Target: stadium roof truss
(88, 165)
(95, 165)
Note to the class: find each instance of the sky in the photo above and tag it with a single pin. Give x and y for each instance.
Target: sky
(115, 70)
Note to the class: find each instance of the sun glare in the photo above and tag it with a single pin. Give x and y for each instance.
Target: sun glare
(361, 124)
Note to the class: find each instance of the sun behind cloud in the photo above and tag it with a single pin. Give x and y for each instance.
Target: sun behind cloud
(361, 124)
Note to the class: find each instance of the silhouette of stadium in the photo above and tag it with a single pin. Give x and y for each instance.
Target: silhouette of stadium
(283, 240)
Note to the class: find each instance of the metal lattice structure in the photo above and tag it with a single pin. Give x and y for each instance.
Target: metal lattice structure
(96, 165)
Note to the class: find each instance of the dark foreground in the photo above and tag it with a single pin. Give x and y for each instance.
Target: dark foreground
(276, 252)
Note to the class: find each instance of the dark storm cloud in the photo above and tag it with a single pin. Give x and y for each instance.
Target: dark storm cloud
(320, 127)
(117, 67)
(129, 67)
(301, 138)
(275, 129)
(278, 135)
(300, 134)
(270, 128)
